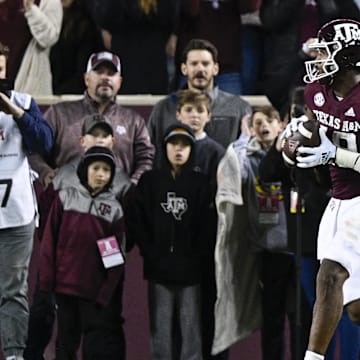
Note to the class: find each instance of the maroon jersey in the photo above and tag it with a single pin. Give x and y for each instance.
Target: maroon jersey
(342, 120)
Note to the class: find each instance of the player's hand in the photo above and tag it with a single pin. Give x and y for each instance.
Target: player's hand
(313, 156)
(292, 126)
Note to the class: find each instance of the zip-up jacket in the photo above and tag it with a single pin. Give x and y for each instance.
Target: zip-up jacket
(70, 262)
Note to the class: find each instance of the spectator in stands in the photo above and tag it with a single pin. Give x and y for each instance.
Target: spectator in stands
(132, 149)
(200, 65)
(169, 223)
(266, 230)
(30, 28)
(85, 225)
(213, 21)
(138, 31)
(79, 38)
(22, 130)
(194, 110)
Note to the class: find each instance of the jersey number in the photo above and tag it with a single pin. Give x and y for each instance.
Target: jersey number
(7, 183)
(345, 140)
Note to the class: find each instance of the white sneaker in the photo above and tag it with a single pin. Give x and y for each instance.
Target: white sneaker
(14, 357)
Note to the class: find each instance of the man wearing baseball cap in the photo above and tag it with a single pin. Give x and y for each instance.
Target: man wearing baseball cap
(99, 58)
(132, 148)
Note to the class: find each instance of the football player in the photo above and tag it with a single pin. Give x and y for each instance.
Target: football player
(333, 95)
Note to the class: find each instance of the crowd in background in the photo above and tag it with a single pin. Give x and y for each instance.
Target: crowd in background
(263, 41)
(257, 47)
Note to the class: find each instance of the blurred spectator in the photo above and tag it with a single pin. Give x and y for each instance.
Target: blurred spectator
(266, 229)
(138, 31)
(252, 36)
(214, 20)
(23, 130)
(79, 38)
(30, 28)
(285, 35)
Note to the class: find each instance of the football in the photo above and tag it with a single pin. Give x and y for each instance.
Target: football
(307, 134)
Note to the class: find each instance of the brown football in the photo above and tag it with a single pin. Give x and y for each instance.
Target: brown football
(307, 134)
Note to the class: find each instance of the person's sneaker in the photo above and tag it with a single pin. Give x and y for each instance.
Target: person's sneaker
(14, 357)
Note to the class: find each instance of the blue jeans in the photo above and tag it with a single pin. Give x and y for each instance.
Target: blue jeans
(15, 251)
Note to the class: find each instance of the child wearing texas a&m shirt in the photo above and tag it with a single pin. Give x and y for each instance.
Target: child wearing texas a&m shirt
(170, 222)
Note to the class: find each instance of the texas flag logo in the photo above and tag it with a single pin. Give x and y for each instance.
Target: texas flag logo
(175, 205)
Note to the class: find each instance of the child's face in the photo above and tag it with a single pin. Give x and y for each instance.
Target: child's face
(194, 115)
(99, 174)
(178, 151)
(265, 129)
(97, 137)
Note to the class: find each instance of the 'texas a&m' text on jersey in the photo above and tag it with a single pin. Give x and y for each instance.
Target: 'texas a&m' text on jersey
(341, 118)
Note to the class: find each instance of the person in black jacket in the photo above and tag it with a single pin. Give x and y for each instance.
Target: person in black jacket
(170, 215)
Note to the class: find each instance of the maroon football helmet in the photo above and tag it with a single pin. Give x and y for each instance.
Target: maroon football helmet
(339, 40)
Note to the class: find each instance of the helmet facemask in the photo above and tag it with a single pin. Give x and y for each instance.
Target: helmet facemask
(325, 67)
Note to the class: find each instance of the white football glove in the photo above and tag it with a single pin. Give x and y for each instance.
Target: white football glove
(292, 126)
(313, 156)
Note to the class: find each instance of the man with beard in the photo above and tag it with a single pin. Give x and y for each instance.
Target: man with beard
(132, 149)
(200, 66)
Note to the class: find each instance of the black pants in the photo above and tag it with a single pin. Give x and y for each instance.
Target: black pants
(278, 279)
(99, 328)
(41, 322)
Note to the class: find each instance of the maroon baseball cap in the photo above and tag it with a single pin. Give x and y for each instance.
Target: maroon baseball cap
(98, 58)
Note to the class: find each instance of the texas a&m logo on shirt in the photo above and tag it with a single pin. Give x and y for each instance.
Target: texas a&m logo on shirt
(104, 209)
(176, 205)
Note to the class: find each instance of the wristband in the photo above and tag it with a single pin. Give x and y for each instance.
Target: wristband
(347, 159)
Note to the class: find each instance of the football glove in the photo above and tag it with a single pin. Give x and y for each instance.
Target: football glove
(313, 156)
